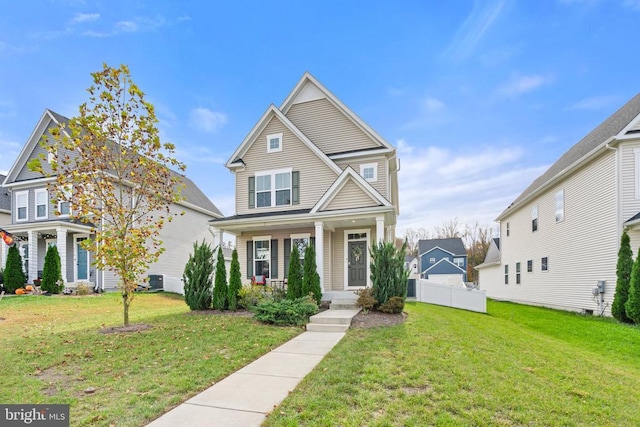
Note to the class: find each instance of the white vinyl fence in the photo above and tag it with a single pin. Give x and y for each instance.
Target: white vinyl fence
(451, 296)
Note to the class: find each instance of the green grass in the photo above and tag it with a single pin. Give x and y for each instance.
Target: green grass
(516, 365)
(51, 351)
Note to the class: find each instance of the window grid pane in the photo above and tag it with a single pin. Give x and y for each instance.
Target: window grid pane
(263, 199)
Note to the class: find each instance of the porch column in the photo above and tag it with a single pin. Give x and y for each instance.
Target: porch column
(320, 252)
(3, 255)
(61, 242)
(380, 229)
(219, 235)
(32, 274)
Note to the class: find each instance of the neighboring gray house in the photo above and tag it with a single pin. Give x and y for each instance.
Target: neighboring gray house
(36, 226)
(560, 237)
(443, 260)
(5, 207)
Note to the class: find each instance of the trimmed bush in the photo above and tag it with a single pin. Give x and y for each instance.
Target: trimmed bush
(294, 278)
(220, 289)
(310, 277)
(623, 274)
(632, 306)
(52, 272)
(251, 295)
(13, 275)
(197, 277)
(365, 299)
(286, 312)
(389, 278)
(235, 281)
(395, 305)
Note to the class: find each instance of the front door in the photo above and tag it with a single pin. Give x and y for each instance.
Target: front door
(82, 260)
(357, 268)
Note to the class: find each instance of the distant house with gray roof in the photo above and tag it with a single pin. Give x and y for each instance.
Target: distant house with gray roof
(443, 260)
(5, 204)
(38, 221)
(560, 237)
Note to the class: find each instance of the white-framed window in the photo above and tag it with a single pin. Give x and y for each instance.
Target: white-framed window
(517, 273)
(534, 218)
(274, 142)
(369, 171)
(432, 260)
(530, 266)
(301, 241)
(506, 274)
(560, 206)
(459, 261)
(273, 188)
(65, 207)
(22, 205)
(507, 229)
(261, 255)
(544, 264)
(42, 203)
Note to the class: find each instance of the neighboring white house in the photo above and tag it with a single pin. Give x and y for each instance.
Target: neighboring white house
(35, 224)
(559, 239)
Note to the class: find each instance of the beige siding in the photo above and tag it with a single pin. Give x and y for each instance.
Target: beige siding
(350, 196)
(315, 174)
(329, 128)
(328, 260)
(337, 274)
(630, 202)
(381, 184)
(581, 250)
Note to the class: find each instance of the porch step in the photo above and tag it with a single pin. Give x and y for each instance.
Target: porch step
(332, 320)
(320, 327)
(345, 306)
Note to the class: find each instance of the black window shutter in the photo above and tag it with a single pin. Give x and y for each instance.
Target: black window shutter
(252, 192)
(249, 259)
(273, 270)
(313, 241)
(287, 256)
(295, 187)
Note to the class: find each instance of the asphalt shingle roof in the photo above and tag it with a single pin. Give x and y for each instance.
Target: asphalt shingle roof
(453, 245)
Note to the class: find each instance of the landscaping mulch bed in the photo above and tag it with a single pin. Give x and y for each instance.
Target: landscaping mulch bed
(374, 319)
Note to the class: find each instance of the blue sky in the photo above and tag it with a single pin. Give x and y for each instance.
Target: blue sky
(480, 97)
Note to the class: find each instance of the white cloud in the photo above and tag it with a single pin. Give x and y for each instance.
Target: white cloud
(483, 15)
(519, 85)
(85, 17)
(633, 4)
(596, 103)
(433, 104)
(207, 120)
(439, 184)
(126, 27)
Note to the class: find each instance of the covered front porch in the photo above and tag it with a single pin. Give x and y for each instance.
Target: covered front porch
(341, 239)
(33, 240)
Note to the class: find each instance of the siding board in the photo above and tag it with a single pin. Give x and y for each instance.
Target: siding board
(350, 196)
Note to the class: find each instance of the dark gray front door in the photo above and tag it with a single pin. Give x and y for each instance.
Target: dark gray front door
(357, 263)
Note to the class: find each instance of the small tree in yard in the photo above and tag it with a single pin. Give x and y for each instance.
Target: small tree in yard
(13, 274)
(197, 277)
(389, 278)
(623, 273)
(632, 306)
(294, 278)
(220, 289)
(110, 165)
(235, 281)
(310, 277)
(52, 272)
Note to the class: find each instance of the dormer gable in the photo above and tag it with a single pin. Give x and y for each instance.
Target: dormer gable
(349, 190)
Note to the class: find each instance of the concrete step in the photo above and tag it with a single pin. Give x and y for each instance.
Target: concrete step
(321, 327)
(324, 320)
(342, 306)
(344, 300)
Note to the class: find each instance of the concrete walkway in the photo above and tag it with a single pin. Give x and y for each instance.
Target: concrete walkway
(245, 397)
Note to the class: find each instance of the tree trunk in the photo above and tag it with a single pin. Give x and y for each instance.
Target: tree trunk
(125, 304)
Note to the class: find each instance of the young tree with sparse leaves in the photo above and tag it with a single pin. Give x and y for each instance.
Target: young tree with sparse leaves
(235, 281)
(310, 277)
(220, 288)
(294, 278)
(110, 164)
(52, 271)
(623, 274)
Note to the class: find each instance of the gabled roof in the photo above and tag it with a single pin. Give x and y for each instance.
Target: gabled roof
(444, 260)
(192, 194)
(347, 174)
(607, 130)
(452, 245)
(5, 197)
(236, 158)
(302, 86)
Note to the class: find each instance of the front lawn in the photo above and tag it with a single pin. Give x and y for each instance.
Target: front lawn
(517, 365)
(51, 351)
